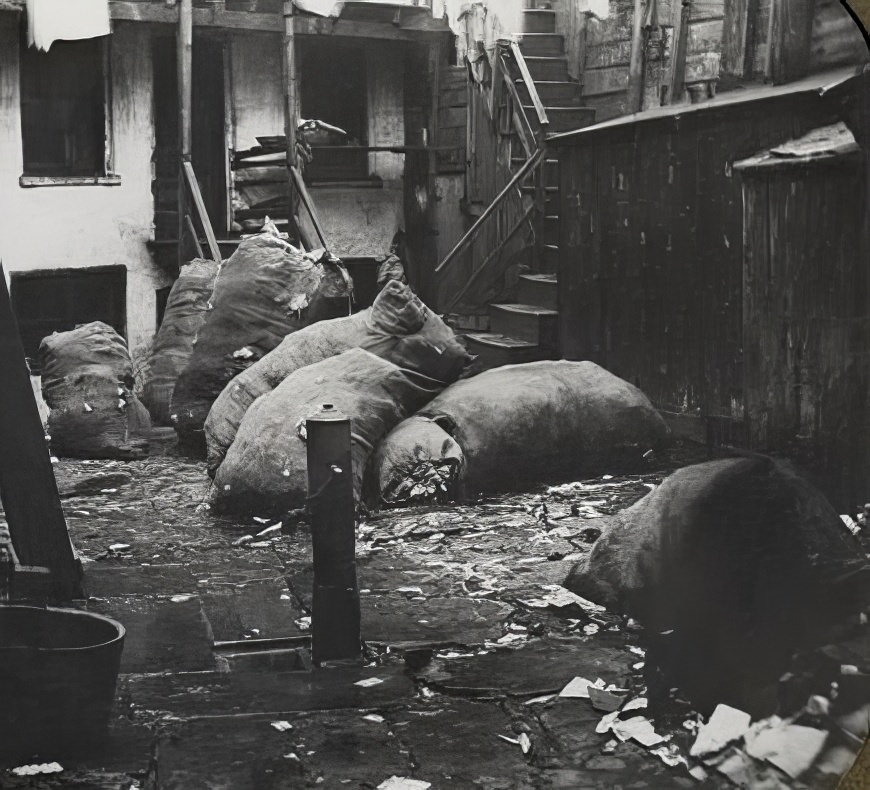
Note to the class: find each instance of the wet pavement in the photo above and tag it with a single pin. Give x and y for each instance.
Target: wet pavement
(464, 648)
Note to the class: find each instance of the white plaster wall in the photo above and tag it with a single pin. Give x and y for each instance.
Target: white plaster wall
(258, 98)
(358, 222)
(80, 226)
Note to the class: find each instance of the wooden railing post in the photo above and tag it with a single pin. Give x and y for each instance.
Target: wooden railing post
(184, 57)
(290, 109)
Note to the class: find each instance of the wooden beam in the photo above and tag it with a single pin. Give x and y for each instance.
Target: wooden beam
(291, 112)
(158, 13)
(634, 101)
(738, 38)
(791, 36)
(184, 42)
(184, 69)
(28, 489)
(680, 47)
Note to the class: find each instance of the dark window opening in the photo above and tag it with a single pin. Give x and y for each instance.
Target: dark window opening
(63, 109)
(46, 302)
(333, 90)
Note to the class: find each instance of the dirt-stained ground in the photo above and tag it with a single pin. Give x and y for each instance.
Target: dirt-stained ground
(465, 651)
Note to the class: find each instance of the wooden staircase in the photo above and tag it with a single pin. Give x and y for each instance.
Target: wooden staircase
(527, 330)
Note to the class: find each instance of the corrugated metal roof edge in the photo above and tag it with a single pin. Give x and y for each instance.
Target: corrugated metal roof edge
(816, 83)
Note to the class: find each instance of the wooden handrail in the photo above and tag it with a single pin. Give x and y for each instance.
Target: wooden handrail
(529, 83)
(529, 165)
(524, 130)
(199, 205)
(454, 299)
(308, 203)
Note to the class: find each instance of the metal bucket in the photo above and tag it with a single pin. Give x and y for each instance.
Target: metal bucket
(58, 670)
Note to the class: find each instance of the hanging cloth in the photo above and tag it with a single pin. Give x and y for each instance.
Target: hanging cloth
(50, 20)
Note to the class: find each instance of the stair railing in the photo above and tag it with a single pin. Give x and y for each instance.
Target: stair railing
(510, 211)
(191, 186)
(307, 203)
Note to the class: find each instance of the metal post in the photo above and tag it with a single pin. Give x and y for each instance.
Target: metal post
(335, 620)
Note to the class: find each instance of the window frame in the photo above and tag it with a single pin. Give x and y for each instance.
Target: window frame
(107, 177)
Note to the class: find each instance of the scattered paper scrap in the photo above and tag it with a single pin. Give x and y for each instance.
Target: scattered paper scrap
(270, 530)
(119, 547)
(669, 754)
(525, 743)
(637, 729)
(282, 726)
(180, 598)
(790, 747)
(514, 741)
(635, 704)
(374, 718)
(725, 725)
(544, 698)
(579, 688)
(403, 783)
(604, 700)
(607, 722)
(366, 682)
(37, 768)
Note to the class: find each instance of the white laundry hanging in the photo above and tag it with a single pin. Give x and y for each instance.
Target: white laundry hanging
(50, 20)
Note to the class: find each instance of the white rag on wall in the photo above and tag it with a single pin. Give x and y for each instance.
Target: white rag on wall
(50, 20)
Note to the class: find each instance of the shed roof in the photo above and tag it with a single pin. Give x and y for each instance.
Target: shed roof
(824, 144)
(816, 83)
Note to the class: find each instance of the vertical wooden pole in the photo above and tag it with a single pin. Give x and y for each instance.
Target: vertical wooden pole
(636, 63)
(791, 33)
(738, 39)
(291, 118)
(27, 486)
(427, 286)
(678, 58)
(184, 59)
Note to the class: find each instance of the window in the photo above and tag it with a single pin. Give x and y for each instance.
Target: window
(55, 301)
(333, 88)
(63, 111)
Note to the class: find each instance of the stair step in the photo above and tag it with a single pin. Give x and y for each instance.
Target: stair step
(494, 350)
(550, 258)
(539, 20)
(525, 322)
(539, 289)
(548, 69)
(542, 44)
(563, 119)
(555, 92)
(551, 229)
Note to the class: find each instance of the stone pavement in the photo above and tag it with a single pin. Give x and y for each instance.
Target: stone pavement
(462, 657)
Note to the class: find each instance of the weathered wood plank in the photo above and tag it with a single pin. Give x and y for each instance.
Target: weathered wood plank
(791, 36)
(28, 490)
(738, 37)
(608, 80)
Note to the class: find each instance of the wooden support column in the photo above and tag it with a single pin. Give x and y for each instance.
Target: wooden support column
(791, 27)
(680, 45)
(637, 62)
(27, 486)
(427, 285)
(184, 59)
(291, 118)
(738, 39)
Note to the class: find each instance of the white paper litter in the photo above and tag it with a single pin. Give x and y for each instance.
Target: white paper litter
(282, 726)
(607, 722)
(579, 688)
(792, 748)
(525, 743)
(119, 547)
(374, 718)
(366, 682)
(544, 698)
(403, 783)
(725, 725)
(37, 768)
(638, 729)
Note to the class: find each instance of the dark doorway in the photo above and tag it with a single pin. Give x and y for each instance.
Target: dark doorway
(208, 142)
(333, 89)
(166, 141)
(56, 301)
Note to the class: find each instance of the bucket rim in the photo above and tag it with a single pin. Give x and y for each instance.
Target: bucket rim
(119, 636)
